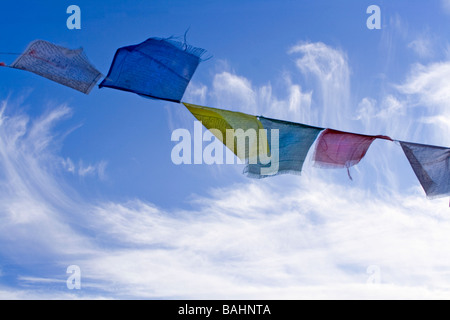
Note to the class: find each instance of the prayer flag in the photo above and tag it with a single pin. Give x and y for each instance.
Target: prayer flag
(431, 165)
(156, 68)
(65, 66)
(337, 149)
(289, 144)
(240, 132)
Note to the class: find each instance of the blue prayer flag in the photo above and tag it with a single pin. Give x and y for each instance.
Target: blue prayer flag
(431, 165)
(156, 68)
(289, 144)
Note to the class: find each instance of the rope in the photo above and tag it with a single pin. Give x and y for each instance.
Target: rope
(10, 53)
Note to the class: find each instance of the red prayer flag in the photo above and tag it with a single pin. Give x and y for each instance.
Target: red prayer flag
(337, 149)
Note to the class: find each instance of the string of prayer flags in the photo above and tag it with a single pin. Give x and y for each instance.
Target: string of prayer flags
(65, 66)
(431, 165)
(289, 144)
(162, 69)
(338, 149)
(156, 68)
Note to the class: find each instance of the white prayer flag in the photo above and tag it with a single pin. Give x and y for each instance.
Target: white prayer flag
(65, 66)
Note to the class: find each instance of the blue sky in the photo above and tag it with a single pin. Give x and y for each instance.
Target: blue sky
(88, 180)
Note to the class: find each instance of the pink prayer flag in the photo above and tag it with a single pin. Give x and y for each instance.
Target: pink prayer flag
(337, 149)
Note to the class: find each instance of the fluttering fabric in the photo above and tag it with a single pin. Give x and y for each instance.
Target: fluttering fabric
(292, 146)
(65, 66)
(337, 149)
(156, 68)
(220, 122)
(431, 165)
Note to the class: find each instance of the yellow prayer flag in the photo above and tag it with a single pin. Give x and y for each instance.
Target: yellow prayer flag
(235, 128)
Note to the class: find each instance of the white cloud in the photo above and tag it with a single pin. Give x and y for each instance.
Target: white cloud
(92, 169)
(390, 107)
(233, 92)
(428, 87)
(429, 83)
(421, 103)
(252, 241)
(330, 68)
(446, 6)
(439, 121)
(30, 280)
(82, 170)
(422, 46)
(395, 32)
(366, 108)
(68, 165)
(30, 198)
(196, 92)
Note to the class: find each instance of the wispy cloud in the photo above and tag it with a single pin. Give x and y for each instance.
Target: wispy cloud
(428, 87)
(273, 242)
(446, 6)
(422, 46)
(98, 170)
(329, 67)
(394, 35)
